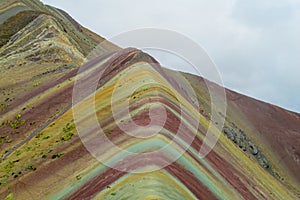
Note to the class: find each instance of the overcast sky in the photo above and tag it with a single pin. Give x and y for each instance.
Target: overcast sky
(255, 43)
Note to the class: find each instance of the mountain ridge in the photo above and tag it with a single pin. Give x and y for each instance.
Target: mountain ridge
(36, 113)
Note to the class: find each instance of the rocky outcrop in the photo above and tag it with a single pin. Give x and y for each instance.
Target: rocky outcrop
(43, 156)
(240, 138)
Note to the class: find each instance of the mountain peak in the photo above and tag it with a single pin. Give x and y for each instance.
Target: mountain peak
(60, 123)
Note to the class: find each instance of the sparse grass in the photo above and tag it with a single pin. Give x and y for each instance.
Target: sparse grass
(109, 132)
(57, 155)
(15, 165)
(17, 123)
(13, 125)
(9, 196)
(5, 139)
(68, 131)
(30, 168)
(4, 106)
(36, 84)
(18, 116)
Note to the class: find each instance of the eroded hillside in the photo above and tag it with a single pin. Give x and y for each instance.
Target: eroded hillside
(43, 156)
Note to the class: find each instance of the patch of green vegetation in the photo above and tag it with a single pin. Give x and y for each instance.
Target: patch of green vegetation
(9, 196)
(12, 125)
(4, 106)
(17, 123)
(109, 132)
(57, 155)
(32, 123)
(36, 84)
(30, 168)
(8, 169)
(18, 116)
(15, 161)
(38, 135)
(78, 177)
(46, 137)
(68, 131)
(44, 154)
(5, 139)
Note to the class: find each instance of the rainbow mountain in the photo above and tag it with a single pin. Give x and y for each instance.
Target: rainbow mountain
(51, 147)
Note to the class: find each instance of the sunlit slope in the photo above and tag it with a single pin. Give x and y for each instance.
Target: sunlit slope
(42, 154)
(82, 39)
(39, 47)
(54, 163)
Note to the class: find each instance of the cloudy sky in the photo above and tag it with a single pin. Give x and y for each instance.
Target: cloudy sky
(255, 44)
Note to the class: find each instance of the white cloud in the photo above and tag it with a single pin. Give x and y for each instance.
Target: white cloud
(255, 43)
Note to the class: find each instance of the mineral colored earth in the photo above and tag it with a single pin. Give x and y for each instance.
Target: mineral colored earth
(42, 150)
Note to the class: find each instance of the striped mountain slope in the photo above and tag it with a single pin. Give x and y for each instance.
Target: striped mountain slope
(52, 146)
